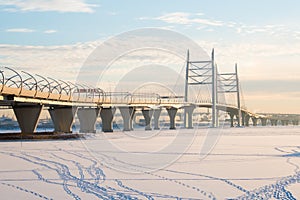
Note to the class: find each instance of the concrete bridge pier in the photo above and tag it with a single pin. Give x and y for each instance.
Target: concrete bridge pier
(254, 120)
(62, 118)
(284, 122)
(172, 114)
(231, 119)
(156, 115)
(127, 114)
(238, 121)
(243, 118)
(263, 121)
(274, 122)
(147, 113)
(107, 115)
(27, 117)
(87, 118)
(189, 116)
(247, 119)
(295, 122)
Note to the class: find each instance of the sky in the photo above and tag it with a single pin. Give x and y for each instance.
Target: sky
(55, 37)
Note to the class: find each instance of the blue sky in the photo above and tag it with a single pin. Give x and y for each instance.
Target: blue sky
(96, 19)
(262, 36)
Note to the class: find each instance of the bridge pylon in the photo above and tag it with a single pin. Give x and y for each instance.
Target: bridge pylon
(230, 84)
(201, 73)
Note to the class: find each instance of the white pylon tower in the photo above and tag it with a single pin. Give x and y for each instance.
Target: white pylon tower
(201, 73)
(186, 87)
(238, 96)
(214, 91)
(230, 84)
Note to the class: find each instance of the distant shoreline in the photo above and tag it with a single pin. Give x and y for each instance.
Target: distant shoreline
(40, 136)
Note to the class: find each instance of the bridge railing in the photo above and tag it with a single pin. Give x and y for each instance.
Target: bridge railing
(171, 99)
(29, 85)
(11, 81)
(145, 98)
(83, 93)
(117, 98)
(24, 84)
(140, 98)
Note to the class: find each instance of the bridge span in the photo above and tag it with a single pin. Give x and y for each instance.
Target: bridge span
(28, 94)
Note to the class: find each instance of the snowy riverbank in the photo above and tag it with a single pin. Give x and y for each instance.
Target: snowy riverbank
(245, 162)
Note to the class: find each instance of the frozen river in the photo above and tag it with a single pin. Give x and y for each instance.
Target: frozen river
(229, 163)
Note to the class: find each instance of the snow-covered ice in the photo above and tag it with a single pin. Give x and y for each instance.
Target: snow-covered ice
(245, 163)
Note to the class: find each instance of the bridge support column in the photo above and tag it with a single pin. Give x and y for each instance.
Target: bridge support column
(231, 119)
(156, 115)
(263, 121)
(127, 116)
(274, 122)
(189, 116)
(27, 117)
(247, 118)
(285, 122)
(254, 120)
(62, 118)
(172, 114)
(238, 120)
(87, 118)
(147, 113)
(295, 122)
(243, 118)
(107, 115)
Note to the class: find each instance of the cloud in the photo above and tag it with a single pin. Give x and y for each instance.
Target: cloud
(199, 22)
(257, 61)
(112, 13)
(186, 19)
(26, 30)
(20, 30)
(48, 5)
(50, 31)
(264, 72)
(61, 62)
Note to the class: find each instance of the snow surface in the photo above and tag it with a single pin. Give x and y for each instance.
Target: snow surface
(245, 163)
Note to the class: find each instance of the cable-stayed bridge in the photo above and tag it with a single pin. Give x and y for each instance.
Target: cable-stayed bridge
(28, 94)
